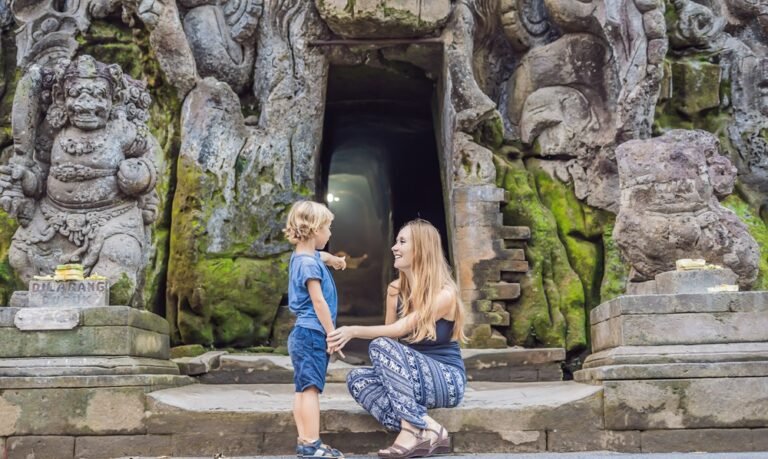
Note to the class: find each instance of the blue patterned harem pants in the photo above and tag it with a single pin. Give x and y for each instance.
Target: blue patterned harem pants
(403, 384)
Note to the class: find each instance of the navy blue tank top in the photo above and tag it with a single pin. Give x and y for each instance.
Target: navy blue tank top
(442, 348)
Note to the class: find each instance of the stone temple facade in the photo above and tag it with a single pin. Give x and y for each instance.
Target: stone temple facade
(566, 149)
(570, 152)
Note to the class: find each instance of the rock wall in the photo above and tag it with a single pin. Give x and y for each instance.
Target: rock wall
(531, 96)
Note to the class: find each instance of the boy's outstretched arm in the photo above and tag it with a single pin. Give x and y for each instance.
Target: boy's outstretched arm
(333, 261)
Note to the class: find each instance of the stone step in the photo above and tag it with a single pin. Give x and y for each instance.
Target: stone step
(492, 365)
(500, 291)
(257, 419)
(515, 233)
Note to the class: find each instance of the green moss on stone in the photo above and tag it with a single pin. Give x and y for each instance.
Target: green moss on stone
(188, 350)
(121, 292)
(615, 270)
(551, 310)
(758, 230)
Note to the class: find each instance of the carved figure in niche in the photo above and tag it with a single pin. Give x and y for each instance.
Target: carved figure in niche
(83, 189)
(749, 130)
(700, 24)
(669, 207)
(526, 23)
(220, 35)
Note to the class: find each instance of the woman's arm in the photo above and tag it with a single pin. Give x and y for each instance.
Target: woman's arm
(391, 311)
(341, 336)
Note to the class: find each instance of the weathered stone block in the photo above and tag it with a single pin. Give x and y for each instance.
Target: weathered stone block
(83, 341)
(501, 291)
(112, 410)
(696, 85)
(683, 303)
(691, 328)
(200, 364)
(47, 447)
(388, 19)
(477, 214)
(212, 444)
(111, 446)
(68, 294)
(686, 403)
(29, 319)
(698, 281)
(517, 233)
(593, 440)
(709, 440)
(483, 193)
(525, 441)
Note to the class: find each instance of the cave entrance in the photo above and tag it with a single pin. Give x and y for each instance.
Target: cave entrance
(380, 170)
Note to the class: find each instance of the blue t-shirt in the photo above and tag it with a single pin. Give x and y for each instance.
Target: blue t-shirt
(302, 268)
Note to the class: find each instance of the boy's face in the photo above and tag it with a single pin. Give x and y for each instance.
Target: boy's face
(322, 236)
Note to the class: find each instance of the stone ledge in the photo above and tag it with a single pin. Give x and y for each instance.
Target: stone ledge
(84, 341)
(155, 382)
(710, 440)
(85, 366)
(673, 371)
(487, 407)
(680, 304)
(680, 329)
(690, 353)
(107, 316)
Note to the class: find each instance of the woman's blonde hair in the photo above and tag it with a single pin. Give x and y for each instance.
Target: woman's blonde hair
(431, 274)
(304, 220)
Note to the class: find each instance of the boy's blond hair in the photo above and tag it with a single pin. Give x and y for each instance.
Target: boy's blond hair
(305, 219)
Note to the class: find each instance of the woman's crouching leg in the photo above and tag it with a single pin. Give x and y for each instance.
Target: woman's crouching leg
(395, 366)
(366, 388)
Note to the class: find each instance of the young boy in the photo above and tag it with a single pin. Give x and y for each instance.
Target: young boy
(312, 298)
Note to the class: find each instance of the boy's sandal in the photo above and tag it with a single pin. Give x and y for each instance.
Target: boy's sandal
(442, 444)
(420, 449)
(320, 450)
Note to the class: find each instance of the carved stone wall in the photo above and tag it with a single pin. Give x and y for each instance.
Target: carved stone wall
(532, 100)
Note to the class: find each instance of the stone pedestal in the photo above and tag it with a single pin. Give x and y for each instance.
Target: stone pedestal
(681, 361)
(74, 372)
(110, 340)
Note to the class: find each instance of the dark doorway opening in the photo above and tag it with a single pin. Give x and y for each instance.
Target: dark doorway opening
(380, 170)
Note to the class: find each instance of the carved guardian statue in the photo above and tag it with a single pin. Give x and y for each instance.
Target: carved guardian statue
(81, 183)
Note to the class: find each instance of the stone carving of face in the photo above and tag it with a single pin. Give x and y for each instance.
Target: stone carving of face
(88, 102)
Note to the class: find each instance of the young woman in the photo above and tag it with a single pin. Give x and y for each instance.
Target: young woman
(424, 369)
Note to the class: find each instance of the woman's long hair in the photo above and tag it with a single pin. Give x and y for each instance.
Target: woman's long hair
(431, 274)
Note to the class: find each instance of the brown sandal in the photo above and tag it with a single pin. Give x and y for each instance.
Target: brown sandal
(442, 444)
(420, 449)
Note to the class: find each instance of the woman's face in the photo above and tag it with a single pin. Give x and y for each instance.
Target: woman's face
(403, 250)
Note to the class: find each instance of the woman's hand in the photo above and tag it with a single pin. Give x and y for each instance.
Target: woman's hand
(338, 338)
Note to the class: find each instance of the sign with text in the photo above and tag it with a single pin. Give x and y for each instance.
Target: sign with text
(68, 294)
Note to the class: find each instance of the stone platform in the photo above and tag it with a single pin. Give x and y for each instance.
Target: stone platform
(496, 365)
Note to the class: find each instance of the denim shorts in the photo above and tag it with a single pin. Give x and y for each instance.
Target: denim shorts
(310, 361)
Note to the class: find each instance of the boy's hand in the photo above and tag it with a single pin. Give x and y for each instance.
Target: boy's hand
(337, 263)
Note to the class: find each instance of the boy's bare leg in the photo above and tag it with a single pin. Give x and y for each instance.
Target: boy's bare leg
(297, 416)
(309, 410)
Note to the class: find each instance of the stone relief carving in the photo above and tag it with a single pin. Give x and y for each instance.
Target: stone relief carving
(669, 207)
(583, 92)
(82, 185)
(222, 36)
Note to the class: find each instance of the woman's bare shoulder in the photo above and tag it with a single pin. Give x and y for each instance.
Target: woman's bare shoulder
(393, 288)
